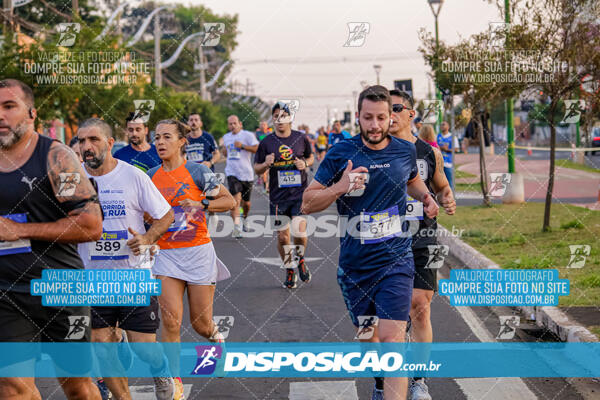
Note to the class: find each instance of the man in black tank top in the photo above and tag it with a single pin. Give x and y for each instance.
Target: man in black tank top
(46, 206)
(431, 169)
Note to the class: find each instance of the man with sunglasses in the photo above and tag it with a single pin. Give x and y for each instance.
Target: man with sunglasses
(431, 169)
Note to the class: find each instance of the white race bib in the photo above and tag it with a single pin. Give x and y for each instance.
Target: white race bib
(289, 178)
(180, 222)
(233, 153)
(16, 246)
(196, 156)
(423, 168)
(414, 209)
(111, 246)
(380, 226)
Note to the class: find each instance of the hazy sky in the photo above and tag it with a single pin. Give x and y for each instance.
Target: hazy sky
(312, 29)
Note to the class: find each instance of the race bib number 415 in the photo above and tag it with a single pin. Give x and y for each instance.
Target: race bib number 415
(289, 179)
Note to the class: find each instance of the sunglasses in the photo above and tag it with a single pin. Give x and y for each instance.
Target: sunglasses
(399, 108)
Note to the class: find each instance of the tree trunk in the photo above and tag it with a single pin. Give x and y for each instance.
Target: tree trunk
(548, 203)
(482, 167)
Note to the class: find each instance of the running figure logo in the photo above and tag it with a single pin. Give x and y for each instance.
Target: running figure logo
(366, 326)
(291, 107)
(437, 254)
(77, 327)
(68, 183)
(573, 109)
(579, 253)
(499, 184)
(431, 109)
(223, 323)
(508, 327)
(181, 191)
(291, 255)
(213, 30)
(498, 32)
(207, 359)
(357, 33)
(68, 33)
(143, 108)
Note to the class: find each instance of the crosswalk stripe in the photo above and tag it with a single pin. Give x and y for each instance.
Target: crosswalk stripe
(495, 389)
(323, 390)
(146, 392)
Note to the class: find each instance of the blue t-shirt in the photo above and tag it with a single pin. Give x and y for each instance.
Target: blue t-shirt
(144, 160)
(441, 140)
(383, 197)
(201, 148)
(337, 137)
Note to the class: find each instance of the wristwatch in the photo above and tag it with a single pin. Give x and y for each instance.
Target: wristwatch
(205, 203)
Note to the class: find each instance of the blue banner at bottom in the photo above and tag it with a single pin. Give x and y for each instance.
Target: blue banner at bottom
(319, 360)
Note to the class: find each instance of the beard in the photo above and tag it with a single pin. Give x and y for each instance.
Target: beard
(96, 161)
(135, 140)
(365, 134)
(15, 134)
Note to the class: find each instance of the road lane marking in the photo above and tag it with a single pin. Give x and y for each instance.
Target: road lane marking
(323, 390)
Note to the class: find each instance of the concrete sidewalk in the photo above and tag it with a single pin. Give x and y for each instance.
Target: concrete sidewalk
(568, 183)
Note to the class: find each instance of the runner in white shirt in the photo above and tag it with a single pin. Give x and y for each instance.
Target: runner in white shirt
(125, 194)
(239, 145)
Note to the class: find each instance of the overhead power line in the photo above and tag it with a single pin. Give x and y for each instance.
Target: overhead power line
(329, 59)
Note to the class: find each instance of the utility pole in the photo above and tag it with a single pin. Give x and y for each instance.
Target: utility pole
(157, 57)
(8, 15)
(202, 68)
(510, 127)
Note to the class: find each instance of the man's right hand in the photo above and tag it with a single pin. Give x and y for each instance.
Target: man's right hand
(349, 183)
(269, 159)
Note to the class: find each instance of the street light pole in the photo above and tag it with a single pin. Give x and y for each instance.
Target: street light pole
(377, 68)
(157, 72)
(510, 127)
(436, 6)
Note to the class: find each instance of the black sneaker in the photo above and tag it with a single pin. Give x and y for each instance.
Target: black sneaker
(291, 279)
(303, 270)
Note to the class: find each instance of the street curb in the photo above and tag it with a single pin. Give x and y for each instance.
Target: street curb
(549, 317)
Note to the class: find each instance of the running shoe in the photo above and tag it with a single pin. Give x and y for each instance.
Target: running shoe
(237, 232)
(178, 393)
(291, 279)
(303, 270)
(104, 392)
(419, 390)
(164, 387)
(377, 394)
(244, 225)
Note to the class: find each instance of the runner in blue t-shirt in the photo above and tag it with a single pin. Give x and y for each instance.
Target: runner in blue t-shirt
(201, 147)
(444, 140)
(369, 176)
(139, 152)
(337, 134)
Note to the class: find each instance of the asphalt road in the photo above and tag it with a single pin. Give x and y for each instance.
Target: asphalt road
(266, 312)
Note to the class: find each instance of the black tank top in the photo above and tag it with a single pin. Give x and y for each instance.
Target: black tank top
(426, 234)
(27, 193)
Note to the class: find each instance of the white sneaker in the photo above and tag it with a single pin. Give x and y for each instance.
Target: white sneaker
(244, 225)
(237, 232)
(419, 390)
